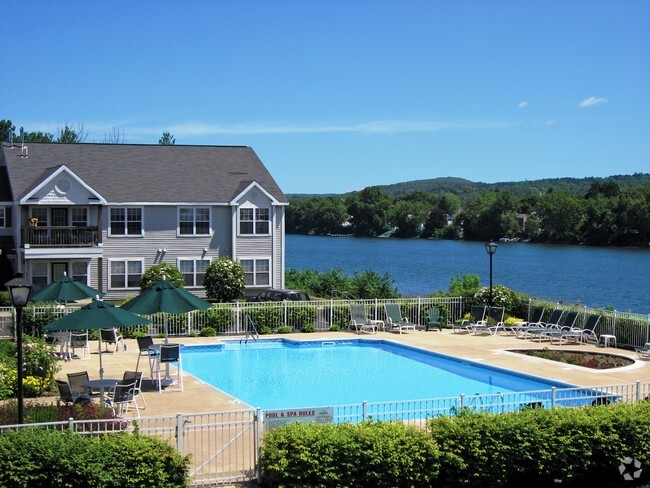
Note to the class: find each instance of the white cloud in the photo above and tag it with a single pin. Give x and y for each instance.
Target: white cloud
(551, 123)
(523, 104)
(588, 102)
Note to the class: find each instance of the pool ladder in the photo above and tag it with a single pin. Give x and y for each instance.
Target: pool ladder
(251, 330)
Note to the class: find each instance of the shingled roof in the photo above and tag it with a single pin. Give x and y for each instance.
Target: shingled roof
(144, 173)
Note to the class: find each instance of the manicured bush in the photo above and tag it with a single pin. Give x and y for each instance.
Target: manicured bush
(308, 328)
(220, 319)
(208, 332)
(540, 447)
(377, 454)
(270, 316)
(39, 368)
(284, 329)
(44, 458)
(225, 279)
(154, 275)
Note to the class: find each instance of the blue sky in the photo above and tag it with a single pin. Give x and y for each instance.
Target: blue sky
(338, 95)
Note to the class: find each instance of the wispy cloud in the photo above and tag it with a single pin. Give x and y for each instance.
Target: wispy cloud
(370, 127)
(523, 104)
(588, 102)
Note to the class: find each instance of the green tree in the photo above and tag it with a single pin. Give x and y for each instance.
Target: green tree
(157, 272)
(409, 217)
(225, 280)
(167, 139)
(561, 214)
(369, 210)
(449, 203)
(68, 134)
(373, 285)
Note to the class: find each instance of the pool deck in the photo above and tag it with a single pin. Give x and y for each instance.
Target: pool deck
(199, 397)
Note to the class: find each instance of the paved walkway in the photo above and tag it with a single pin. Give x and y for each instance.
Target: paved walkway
(199, 397)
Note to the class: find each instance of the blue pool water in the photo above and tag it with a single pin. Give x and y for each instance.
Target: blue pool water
(274, 374)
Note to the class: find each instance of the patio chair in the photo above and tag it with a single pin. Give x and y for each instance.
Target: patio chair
(494, 320)
(110, 336)
(567, 328)
(433, 319)
(360, 321)
(76, 382)
(67, 397)
(588, 332)
(539, 327)
(169, 353)
(476, 315)
(144, 344)
(79, 340)
(395, 320)
(120, 397)
(136, 378)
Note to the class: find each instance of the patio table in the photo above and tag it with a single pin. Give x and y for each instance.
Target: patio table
(101, 385)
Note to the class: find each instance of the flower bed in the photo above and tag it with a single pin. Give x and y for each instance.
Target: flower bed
(579, 358)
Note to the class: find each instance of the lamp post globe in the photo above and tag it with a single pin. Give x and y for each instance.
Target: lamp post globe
(20, 290)
(491, 248)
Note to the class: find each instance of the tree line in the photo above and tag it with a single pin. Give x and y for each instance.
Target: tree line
(605, 214)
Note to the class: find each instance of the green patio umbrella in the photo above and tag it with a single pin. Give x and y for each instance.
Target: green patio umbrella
(96, 315)
(165, 297)
(65, 289)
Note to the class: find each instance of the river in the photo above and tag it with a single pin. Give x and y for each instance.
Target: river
(591, 276)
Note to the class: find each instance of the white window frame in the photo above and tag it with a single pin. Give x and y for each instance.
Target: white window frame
(126, 261)
(46, 275)
(255, 273)
(126, 208)
(3, 217)
(194, 233)
(86, 264)
(194, 259)
(255, 220)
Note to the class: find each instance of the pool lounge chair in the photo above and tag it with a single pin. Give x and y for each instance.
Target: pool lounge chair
(476, 316)
(585, 334)
(395, 320)
(538, 328)
(535, 318)
(567, 329)
(360, 321)
(492, 321)
(643, 352)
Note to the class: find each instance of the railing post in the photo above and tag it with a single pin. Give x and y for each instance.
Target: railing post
(364, 410)
(179, 433)
(553, 393)
(71, 424)
(462, 401)
(638, 390)
(258, 440)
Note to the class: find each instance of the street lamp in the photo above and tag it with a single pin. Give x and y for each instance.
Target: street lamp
(491, 248)
(20, 289)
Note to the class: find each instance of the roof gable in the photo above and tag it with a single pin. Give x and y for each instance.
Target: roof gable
(62, 187)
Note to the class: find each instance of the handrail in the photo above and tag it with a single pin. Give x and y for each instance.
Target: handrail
(250, 325)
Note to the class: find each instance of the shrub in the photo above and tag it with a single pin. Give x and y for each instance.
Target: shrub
(207, 332)
(39, 368)
(308, 328)
(41, 458)
(35, 412)
(284, 329)
(220, 319)
(154, 275)
(264, 330)
(335, 328)
(225, 279)
(378, 454)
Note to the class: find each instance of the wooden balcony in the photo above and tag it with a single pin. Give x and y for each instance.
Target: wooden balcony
(62, 236)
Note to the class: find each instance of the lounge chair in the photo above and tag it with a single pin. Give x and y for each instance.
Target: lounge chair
(535, 318)
(566, 330)
(643, 352)
(433, 319)
(476, 316)
(360, 321)
(586, 334)
(494, 320)
(395, 320)
(539, 327)
(110, 336)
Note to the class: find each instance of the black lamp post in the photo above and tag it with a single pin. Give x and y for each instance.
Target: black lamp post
(491, 248)
(20, 289)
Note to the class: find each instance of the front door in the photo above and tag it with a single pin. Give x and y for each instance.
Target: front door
(58, 269)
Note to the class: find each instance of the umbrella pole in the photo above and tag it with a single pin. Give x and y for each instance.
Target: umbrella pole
(101, 367)
(165, 327)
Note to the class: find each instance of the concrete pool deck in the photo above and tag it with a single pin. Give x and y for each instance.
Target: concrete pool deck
(199, 397)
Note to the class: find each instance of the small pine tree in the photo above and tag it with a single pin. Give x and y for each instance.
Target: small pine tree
(225, 280)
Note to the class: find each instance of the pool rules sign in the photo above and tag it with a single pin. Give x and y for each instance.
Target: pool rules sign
(318, 415)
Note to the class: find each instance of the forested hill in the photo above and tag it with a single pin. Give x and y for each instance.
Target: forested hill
(467, 189)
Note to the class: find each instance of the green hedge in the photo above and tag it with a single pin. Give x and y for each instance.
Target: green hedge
(532, 448)
(366, 454)
(43, 458)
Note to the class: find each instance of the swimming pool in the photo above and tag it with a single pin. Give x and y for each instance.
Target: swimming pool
(283, 373)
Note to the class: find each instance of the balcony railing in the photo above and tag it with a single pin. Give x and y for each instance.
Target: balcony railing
(44, 236)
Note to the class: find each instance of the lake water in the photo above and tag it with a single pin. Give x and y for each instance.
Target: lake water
(592, 276)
